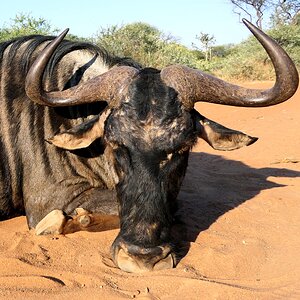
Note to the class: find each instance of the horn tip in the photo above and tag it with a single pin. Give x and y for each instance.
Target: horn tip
(246, 22)
(64, 32)
(251, 27)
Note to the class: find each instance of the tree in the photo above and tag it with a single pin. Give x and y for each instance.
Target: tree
(222, 50)
(206, 40)
(254, 9)
(145, 44)
(286, 12)
(137, 40)
(282, 11)
(25, 24)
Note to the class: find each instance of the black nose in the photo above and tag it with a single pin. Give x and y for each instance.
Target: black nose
(137, 259)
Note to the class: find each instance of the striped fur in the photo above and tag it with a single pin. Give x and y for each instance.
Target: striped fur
(36, 177)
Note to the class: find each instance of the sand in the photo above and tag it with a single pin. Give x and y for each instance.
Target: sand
(240, 214)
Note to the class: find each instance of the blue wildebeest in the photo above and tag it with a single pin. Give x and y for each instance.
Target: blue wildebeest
(84, 131)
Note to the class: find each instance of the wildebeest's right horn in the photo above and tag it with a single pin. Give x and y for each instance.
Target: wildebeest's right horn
(105, 87)
(194, 85)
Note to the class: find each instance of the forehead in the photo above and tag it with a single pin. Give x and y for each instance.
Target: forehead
(150, 115)
(150, 98)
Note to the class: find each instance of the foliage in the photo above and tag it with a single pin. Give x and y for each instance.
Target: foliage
(137, 40)
(288, 36)
(281, 12)
(285, 12)
(249, 61)
(206, 40)
(173, 53)
(23, 24)
(144, 43)
(252, 8)
(222, 50)
(152, 48)
(245, 61)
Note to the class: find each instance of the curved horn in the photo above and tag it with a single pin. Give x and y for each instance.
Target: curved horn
(194, 85)
(105, 87)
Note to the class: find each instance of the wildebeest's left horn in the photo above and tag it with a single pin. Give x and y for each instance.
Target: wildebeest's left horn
(194, 85)
(105, 87)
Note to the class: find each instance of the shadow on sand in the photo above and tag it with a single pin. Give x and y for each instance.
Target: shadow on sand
(213, 186)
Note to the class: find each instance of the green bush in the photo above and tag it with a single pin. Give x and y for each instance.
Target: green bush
(24, 24)
(145, 44)
(152, 48)
(249, 61)
(288, 36)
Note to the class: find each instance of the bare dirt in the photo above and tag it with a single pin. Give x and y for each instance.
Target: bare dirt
(240, 234)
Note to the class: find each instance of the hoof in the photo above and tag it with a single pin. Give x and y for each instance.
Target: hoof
(83, 217)
(87, 221)
(53, 223)
(84, 221)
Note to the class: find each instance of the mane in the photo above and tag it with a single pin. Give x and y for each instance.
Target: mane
(67, 46)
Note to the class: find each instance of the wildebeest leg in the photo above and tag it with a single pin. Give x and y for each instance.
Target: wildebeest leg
(56, 222)
(97, 201)
(97, 211)
(86, 221)
(93, 210)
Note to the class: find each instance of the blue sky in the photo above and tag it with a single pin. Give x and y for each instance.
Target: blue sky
(182, 19)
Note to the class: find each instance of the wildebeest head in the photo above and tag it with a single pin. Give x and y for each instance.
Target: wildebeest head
(148, 127)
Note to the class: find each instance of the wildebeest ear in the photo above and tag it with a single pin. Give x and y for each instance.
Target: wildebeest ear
(81, 136)
(220, 137)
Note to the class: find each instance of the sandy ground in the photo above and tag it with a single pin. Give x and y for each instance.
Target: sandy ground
(240, 234)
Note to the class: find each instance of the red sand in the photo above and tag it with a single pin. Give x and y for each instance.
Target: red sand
(241, 239)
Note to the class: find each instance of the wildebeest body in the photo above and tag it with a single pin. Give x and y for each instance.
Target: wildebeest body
(82, 130)
(35, 176)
